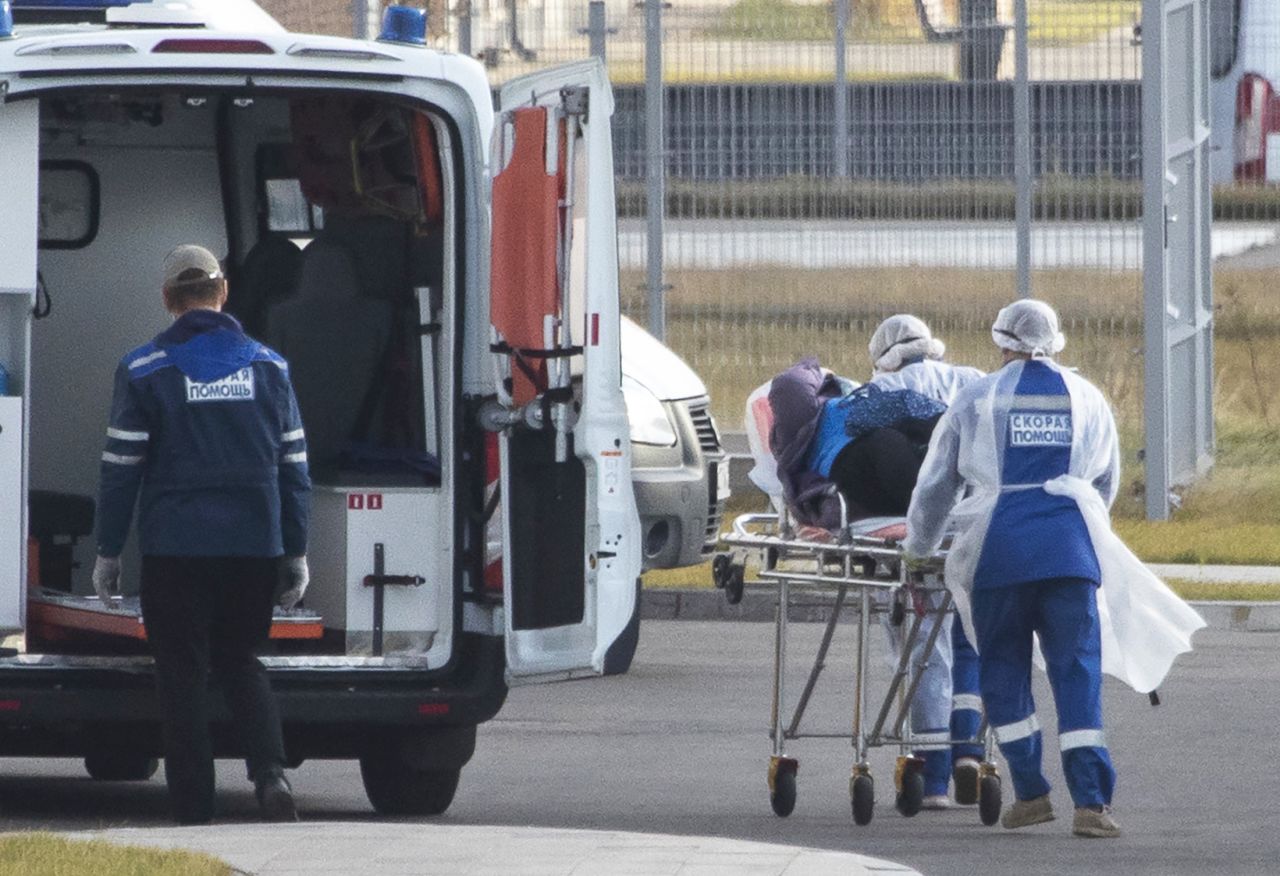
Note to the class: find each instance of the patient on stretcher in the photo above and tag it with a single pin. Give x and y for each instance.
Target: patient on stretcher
(868, 443)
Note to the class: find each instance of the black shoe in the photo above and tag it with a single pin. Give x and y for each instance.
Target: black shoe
(275, 800)
(966, 774)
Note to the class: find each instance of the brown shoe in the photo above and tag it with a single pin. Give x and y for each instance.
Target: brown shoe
(1095, 822)
(1024, 813)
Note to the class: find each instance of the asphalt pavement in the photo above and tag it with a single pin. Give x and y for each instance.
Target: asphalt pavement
(678, 747)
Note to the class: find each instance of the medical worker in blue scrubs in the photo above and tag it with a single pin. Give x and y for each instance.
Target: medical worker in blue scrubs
(1008, 436)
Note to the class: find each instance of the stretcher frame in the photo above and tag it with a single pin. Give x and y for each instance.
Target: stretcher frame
(867, 570)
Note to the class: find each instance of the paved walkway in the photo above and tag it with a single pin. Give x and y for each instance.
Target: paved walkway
(389, 849)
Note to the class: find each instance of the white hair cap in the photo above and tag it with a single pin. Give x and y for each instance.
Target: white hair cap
(901, 338)
(1028, 326)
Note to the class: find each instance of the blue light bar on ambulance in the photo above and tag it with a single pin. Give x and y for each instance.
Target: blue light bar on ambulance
(6, 20)
(404, 24)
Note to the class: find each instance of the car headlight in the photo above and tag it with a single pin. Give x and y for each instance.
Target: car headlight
(647, 416)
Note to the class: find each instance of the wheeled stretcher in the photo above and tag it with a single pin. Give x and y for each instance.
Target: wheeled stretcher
(861, 567)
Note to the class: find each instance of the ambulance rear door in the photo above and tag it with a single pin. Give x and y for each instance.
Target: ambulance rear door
(570, 526)
(19, 231)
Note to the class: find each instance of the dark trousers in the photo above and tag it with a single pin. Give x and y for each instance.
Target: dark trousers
(202, 613)
(877, 473)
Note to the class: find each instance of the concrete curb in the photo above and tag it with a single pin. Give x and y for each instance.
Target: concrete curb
(392, 849)
(759, 604)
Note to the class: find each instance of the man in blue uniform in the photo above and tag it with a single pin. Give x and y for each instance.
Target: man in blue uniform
(205, 426)
(1018, 441)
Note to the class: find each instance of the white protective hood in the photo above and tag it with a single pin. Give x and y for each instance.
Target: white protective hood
(655, 367)
(1145, 626)
(937, 380)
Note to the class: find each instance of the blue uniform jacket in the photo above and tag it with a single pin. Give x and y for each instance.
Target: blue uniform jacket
(205, 424)
(1033, 535)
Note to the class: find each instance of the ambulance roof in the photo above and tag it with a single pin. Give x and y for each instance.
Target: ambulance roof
(52, 37)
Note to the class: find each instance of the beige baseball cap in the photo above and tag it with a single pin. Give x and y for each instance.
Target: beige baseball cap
(190, 264)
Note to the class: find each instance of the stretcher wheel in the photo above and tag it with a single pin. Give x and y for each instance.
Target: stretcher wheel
(735, 580)
(911, 794)
(720, 568)
(989, 800)
(862, 793)
(783, 796)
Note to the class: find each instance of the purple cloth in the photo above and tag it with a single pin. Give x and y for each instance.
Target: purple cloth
(796, 397)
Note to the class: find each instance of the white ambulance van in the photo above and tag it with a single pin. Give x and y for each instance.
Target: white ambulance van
(1244, 69)
(453, 338)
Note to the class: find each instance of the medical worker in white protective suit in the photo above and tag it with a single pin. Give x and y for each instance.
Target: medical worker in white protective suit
(906, 355)
(1036, 445)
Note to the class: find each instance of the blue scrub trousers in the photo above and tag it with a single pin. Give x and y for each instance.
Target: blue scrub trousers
(1064, 613)
(966, 701)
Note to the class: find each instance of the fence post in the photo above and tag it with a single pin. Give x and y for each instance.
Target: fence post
(840, 118)
(1022, 148)
(655, 147)
(1154, 283)
(597, 29)
(464, 27)
(360, 19)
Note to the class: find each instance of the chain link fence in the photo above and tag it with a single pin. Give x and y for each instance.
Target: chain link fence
(830, 162)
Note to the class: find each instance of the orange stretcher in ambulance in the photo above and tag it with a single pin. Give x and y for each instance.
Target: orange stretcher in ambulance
(443, 281)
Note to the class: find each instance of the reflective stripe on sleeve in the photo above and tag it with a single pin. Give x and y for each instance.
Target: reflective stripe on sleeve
(294, 457)
(1082, 739)
(147, 359)
(295, 435)
(124, 435)
(966, 701)
(1007, 733)
(117, 459)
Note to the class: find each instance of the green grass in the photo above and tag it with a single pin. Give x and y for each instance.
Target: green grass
(738, 328)
(1050, 22)
(44, 854)
(1071, 22)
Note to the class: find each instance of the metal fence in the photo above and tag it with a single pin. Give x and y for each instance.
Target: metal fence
(801, 211)
(829, 163)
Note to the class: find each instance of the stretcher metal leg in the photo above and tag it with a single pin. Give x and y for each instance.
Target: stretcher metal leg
(862, 794)
(990, 792)
(779, 669)
(782, 769)
(922, 663)
(819, 664)
(895, 683)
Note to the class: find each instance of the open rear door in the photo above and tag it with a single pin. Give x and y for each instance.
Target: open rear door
(19, 137)
(570, 527)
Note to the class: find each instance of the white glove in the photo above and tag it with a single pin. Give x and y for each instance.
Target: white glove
(106, 578)
(294, 577)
